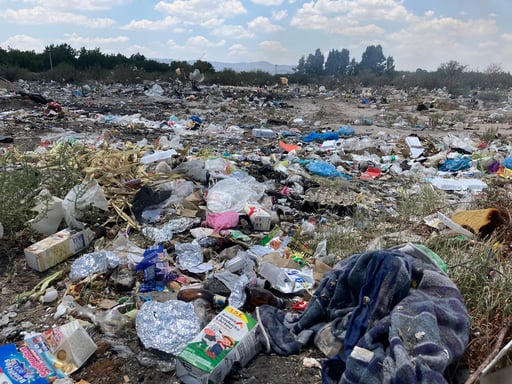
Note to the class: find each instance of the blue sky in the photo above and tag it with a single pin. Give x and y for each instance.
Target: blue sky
(418, 34)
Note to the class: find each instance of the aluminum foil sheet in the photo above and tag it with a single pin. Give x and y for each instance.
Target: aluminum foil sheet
(95, 262)
(168, 326)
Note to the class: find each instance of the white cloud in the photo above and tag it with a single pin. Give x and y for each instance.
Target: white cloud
(201, 41)
(488, 44)
(142, 49)
(451, 27)
(238, 51)
(24, 43)
(435, 40)
(263, 25)
(196, 11)
(213, 22)
(379, 10)
(268, 2)
(149, 25)
(40, 15)
(232, 32)
(350, 17)
(272, 46)
(205, 13)
(179, 30)
(506, 36)
(89, 5)
(195, 42)
(310, 21)
(92, 42)
(369, 30)
(193, 48)
(279, 15)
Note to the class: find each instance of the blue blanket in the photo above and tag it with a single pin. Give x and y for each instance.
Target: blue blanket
(399, 317)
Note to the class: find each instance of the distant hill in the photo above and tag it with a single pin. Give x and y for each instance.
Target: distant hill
(264, 66)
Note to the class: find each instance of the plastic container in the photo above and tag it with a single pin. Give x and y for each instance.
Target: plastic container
(263, 132)
(50, 295)
(236, 264)
(277, 277)
(158, 156)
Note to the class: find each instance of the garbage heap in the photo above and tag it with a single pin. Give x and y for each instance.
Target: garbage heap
(211, 243)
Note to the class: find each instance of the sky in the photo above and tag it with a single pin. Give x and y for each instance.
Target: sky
(416, 33)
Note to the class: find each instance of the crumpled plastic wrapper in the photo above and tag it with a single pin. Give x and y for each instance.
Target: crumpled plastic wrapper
(238, 296)
(189, 256)
(95, 262)
(167, 231)
(168, 326)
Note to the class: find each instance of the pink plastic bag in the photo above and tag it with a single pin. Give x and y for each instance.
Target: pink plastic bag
(220, 221)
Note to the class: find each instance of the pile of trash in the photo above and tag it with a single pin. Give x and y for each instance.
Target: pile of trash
(211, 245)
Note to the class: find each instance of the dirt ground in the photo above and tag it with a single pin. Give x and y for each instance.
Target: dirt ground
(120, 357)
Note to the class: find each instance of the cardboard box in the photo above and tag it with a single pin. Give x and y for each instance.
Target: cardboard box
(260, 218)
(46, 356)
(56, 248)
(229, 338)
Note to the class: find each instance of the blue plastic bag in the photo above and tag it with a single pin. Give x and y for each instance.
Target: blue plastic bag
(346, 130)
(452, 165)
(507, 162)
(324, 169)
(320, 137)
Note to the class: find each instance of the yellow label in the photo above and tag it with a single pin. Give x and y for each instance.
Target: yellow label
(237, 313)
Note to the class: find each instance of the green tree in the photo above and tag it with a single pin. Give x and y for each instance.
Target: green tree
(390, 65)
(91, 58)
(450, 75)
(373, 60)
(204, 67)
(25, 59)
(451, 68)
(184, 69)
(315, 63)
(138, 60)
(4, 56)
(225, 77)
(59, 54)
(337, 62)
(496, 75)
(301, 67)
(353, 67)
(154, 66)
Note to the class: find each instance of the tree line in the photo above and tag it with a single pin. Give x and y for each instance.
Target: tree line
(338, 63)
(66, 64)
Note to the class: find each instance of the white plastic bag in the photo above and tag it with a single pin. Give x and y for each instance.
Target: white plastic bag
(232, 195)
(81, 198)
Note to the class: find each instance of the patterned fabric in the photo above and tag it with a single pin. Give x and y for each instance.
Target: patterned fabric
(400, 318)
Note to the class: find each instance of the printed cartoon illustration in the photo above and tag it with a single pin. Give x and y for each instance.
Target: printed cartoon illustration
(216, 342)
(225, 343)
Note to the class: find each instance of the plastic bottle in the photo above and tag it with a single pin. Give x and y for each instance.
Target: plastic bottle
(256, 296)
(388, 159)
(237, 263)
(263, 132)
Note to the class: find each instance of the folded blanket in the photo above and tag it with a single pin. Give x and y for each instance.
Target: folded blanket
(400, 318)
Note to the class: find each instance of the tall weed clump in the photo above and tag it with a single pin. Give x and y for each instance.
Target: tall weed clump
(23, 175)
